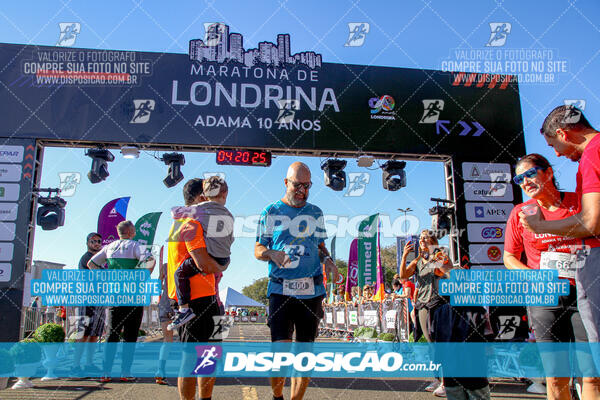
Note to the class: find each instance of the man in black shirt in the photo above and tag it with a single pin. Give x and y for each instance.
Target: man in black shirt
(90, 319)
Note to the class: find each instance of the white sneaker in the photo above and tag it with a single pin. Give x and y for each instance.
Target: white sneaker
(440, 391)
(433, 385)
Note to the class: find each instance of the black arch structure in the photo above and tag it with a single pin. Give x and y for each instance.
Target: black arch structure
(201, 105)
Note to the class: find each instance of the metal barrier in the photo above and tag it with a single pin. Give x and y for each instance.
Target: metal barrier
(252, 319)
(389, 316)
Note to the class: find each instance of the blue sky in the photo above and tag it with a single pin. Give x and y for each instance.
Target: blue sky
(412, 34)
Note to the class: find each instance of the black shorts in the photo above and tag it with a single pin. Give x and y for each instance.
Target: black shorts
(201, 327)
(287, 313)
(90, 320)
(561, 323)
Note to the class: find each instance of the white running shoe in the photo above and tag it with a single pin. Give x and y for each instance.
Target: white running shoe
(432, 386)
(440, 391)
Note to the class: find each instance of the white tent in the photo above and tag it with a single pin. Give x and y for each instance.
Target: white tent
(231, 297)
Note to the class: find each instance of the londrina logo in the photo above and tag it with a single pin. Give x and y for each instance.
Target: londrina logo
(207, 359)
(385, 103)
(382, 107)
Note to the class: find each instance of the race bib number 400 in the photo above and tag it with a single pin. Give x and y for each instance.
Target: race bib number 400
(299, 287)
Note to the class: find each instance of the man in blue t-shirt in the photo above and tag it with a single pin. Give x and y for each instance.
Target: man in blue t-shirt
(291, 237)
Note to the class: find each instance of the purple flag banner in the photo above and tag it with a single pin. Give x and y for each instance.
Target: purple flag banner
(352, 278)
(111, 214)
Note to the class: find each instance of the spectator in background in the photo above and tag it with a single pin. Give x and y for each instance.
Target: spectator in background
(366, 294)
(124, 253)
(428, 300)
(340, 296)
(396, 290)
(165, 314)
(355, 292)
(90, 319)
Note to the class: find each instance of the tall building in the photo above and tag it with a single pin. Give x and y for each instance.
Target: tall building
(223, 43)
(264, 49)
(283, 47)
(275, 60)
(196, 49)
(236, 47)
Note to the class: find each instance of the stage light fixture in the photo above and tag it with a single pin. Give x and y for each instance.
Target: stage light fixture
(174, 175)
(335, 177)
(51, 213)
(394, 176)
(441, 218)
(130, 152)
(100, 159)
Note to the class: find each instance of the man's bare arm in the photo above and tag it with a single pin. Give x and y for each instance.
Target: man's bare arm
(261, 252)
(584, 224)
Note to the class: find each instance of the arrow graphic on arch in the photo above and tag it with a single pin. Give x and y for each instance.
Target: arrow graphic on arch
(439, 124)
(442, 125)
(467, 128)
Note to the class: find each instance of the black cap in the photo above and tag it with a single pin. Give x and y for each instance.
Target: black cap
(91, 235)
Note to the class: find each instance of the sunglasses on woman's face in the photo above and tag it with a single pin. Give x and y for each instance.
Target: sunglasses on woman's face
(530, 173)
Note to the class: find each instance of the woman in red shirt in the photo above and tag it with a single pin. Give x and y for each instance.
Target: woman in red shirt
(561, 323)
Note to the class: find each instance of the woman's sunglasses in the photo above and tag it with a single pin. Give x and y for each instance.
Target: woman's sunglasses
(530, 173)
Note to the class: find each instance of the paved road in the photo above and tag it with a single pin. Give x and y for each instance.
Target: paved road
(251, 388)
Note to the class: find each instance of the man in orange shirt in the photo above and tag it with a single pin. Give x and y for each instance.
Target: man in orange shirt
(186, 239)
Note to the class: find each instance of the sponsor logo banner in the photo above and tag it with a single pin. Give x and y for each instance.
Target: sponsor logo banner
(486, 233)
(488, 212)
(491, 172)
(486, 253)
(488, 191)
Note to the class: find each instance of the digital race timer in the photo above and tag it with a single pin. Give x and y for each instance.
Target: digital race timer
(244, 157)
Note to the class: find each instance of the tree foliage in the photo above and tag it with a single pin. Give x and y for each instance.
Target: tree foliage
(257, 290)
